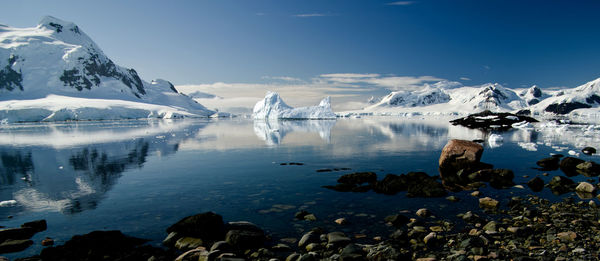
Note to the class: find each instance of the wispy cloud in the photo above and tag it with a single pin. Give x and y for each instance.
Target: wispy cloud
(390, 82)
(401, 3)
(282, 78)
(465, 78)
(308, 15)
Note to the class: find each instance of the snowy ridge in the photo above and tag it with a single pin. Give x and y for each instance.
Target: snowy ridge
(57, 59)
(273, 107)
(450, 98)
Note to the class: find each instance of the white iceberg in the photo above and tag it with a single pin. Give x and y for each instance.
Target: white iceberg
(273, 107)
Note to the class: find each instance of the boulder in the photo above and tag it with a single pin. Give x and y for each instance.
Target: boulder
(536, 184)
(358, 178)
(585, 187)
(187, 243)
(488, 203)
(588, 169)
(568, 165)
(310, 237)
(459, 155)
(391, 184)
(423, 185)
(37, 225)
(244, 235)
(337, 239)
(549, 164)
(14, 245)
(16, 233)
(206, 226)
(588, 151)
(561, 185)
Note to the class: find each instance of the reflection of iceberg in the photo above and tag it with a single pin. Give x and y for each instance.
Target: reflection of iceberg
(273, 132)
(72, 174)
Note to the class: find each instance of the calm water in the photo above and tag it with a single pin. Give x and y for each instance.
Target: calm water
(141, 176)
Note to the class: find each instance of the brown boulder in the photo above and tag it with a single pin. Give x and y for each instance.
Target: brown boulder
(458, 155)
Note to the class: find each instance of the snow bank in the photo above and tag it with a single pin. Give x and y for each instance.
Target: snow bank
(273, 107)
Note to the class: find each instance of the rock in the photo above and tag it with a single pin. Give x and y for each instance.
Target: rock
(293, 257)
(423, 185)
(490, 227)
(560, 185)
(536, 184)
(171, 239)
(397, 221)
(476, 193)
(423, 212)
(337, 239)
(585, 187)
(567, 236)
(452, 198)
(206, 226)
(47, 242)
(458, 155)
(14, 245)
(187, 243)
(488, 203)
(16, 233)
(588, 151)
(358, 178)
(588, 168)
(391, 184)
(244, 235)
(568, 165)
(341, 221)
(352, 252)
(104, 245)
(301, 214)
(502, 178)
(310, 217)
(38, 225)
(310, 237)
(194, 254)
(548, 164)
(487, 120)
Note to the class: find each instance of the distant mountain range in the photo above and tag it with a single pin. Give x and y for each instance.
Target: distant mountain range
(451, 97)
(57, 59)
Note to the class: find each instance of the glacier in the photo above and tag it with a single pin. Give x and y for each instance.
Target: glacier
(273, 107)
(56, 72)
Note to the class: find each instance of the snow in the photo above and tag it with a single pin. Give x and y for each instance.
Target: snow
(273, 107)
(59, 73)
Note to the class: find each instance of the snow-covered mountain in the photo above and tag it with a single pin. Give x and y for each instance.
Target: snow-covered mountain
(273, 107)
(57, 60)
(445, 98)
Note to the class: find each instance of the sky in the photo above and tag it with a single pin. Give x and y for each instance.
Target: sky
(349, 49)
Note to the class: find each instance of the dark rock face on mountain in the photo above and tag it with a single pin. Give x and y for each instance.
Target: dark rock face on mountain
(488, 120)
(9, 78)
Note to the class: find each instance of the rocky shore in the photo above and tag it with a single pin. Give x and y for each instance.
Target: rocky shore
(494, 228)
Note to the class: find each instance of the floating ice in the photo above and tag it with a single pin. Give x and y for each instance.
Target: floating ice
(8, 203)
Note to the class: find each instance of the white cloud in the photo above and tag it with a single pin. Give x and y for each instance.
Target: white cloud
(310, 15)
(349, 75)
(465, 78)
(401, 3)
(282, 78)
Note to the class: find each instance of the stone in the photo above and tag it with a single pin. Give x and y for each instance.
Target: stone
(221, 245)
(560, 185)
(301, 214)
(453, 198)
(398, 220)
(16, 233)
(310, 217)
(391, 184)
(536, 184)
(171, 239)
(458, 155)
(244, 235)
(193, 254)
(423, 212)
(38, 225)
(588, 169)
(358, 178)
(585, 187)
(14, 245)
(293, 257)
(341, 221)
(568, 236)
(488, 203)
(352, 252)
(568, 165)
(47, 242)
(423, 185)
(490, 227)
(310, 237)
(337, 239)
(476, 193)
(187, 243)
(207, 226)
(549, 164)
(588, 151)
(312, 247)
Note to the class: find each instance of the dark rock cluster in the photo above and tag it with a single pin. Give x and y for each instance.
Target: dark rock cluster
(487, 120)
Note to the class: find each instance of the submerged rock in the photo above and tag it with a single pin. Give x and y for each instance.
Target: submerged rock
(549, 164)
(560, 185)
(568, 165)
(588, 169)
(536, 184)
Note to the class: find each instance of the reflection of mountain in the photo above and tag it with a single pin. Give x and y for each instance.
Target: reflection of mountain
(74, 178)
(273, 132)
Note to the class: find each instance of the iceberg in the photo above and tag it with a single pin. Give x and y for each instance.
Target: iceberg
(273, 107)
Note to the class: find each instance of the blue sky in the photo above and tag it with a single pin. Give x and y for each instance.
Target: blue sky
(515, 43)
